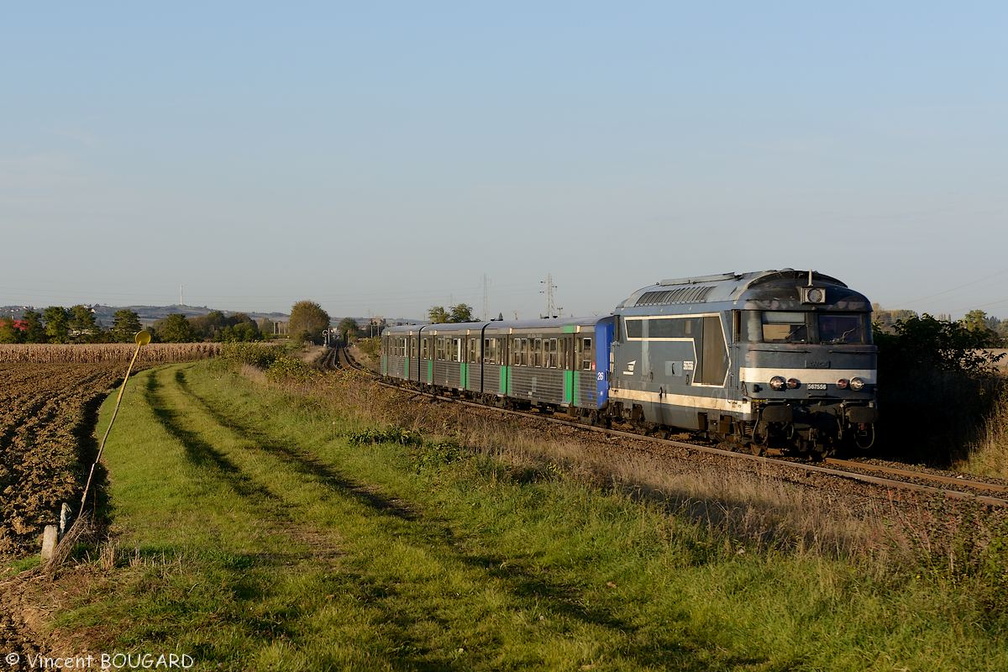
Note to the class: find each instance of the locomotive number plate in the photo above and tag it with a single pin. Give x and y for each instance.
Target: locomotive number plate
(816, 386)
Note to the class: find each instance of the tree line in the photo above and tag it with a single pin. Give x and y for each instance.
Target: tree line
(78, 324)
(56, 324)
(976, 327)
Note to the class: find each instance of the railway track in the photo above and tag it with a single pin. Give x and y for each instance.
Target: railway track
(887, 476)
(891, 477)
(952, 485)
(338, 358)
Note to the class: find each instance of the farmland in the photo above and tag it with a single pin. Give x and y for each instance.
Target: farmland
(48, 406)
(157, 353)
(47, 413)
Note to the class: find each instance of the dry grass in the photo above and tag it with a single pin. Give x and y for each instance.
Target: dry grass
(749, 509)
(154, 353)
(988, 455)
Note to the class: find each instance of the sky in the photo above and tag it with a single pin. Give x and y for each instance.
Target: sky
(382, 158)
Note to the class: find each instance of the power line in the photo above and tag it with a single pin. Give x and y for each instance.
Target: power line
(954, 289)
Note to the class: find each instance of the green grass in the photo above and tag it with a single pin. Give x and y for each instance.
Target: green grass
(258, 530)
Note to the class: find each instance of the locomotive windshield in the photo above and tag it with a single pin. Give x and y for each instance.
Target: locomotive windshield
(778, 326)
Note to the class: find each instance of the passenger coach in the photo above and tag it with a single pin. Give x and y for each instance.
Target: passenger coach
(559, 364)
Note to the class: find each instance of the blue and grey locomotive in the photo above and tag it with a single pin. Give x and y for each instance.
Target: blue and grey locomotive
(772, 357)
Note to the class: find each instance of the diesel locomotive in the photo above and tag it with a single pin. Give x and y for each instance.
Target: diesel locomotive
(780, 358)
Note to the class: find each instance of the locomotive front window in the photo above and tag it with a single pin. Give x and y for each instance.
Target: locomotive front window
(843, 328)
(784, 327)
(772, 326)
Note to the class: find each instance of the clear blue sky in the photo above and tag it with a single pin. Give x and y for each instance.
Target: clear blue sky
(383, 157)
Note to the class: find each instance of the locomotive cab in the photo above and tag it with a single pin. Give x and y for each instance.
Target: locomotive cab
(809, 365)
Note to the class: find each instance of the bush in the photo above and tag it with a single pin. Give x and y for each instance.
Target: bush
(937, 386)
(259, 355)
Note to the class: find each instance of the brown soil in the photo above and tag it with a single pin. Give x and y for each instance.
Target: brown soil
(47, 415)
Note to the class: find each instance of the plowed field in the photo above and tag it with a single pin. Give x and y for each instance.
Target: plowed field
(46, 421)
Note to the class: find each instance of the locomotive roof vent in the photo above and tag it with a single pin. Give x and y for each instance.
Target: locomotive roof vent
(700, 279)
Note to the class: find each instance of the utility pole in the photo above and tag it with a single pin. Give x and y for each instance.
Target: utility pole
(551, 309)
(486, 296)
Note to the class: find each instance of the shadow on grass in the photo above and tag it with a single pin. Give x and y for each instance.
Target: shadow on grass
(301, 463)
(531, 587)
(201, 454)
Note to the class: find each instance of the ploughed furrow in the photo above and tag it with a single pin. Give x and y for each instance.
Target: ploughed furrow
(47, 413)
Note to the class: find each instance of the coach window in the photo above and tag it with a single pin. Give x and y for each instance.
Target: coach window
(586, 354)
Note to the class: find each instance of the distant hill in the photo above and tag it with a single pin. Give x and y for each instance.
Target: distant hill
(105, 315)
(151, 314)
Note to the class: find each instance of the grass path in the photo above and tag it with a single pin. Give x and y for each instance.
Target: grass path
(252, 533)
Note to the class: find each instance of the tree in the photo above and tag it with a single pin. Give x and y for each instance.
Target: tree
(348, 329)
(438, 315)
(459, 313)
(82, 323)
(209, 326)
(927, 343)
(125, 325)
(10, 333)
(174, 329)
(977, 323)
(243, 331)
(308, 321)
(34, 329)
(57, 327)
(238, 327)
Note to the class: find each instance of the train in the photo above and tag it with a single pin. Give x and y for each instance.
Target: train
(766, 359)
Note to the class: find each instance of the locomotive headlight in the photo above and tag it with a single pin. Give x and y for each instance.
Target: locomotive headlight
(843, 383)
(793, 383)
(813, 295)
(857, 384)
(777, 383)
